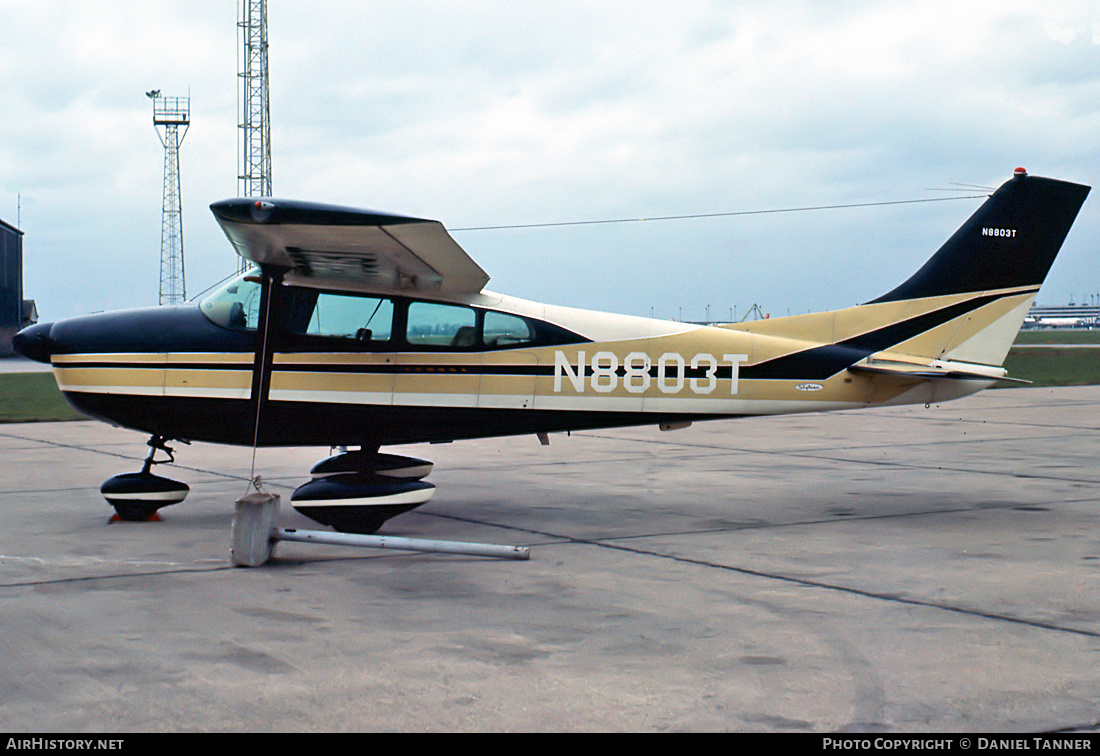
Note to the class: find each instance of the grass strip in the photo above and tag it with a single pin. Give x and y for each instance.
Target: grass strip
(33, 397)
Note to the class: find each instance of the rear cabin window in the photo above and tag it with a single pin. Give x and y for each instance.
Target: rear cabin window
(502, 331)
(441, 325)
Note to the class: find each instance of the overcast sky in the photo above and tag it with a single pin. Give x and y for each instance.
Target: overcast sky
(492, 113)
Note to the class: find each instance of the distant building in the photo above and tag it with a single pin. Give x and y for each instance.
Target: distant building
(1063, 316)
(15, 313)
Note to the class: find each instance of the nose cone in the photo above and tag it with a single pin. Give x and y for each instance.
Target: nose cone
(35, 342)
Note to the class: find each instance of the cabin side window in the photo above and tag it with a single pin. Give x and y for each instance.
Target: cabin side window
(347, 316)
(502, 330)
(309, 317)
(441, 325)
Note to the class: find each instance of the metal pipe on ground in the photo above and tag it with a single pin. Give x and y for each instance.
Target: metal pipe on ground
(254, 536)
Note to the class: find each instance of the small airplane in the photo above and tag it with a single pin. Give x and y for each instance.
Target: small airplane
(359, 329)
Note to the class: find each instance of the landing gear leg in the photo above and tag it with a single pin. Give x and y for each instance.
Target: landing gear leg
(136, 497)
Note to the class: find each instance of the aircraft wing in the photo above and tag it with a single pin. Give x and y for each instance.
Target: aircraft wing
(326, 243)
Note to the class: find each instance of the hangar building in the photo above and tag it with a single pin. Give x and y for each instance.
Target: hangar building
(14, 312)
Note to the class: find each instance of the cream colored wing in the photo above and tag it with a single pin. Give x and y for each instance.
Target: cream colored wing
(363, 248)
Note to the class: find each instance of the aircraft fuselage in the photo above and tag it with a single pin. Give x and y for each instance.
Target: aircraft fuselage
(176, 373)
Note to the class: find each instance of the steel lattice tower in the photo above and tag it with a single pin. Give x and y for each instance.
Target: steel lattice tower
(254, 122)
(169, 115)
(255, 110)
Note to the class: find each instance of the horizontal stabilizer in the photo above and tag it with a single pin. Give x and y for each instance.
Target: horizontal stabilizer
(936, 370)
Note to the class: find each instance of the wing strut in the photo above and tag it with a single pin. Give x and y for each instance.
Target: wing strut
(272, 278)
(254, 532)
(255, 512)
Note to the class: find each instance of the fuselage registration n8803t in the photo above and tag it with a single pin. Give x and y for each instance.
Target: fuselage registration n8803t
(359, 328)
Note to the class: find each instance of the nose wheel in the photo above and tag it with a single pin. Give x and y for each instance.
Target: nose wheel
(138, 496)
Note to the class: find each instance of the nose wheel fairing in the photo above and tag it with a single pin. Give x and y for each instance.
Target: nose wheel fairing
(138, 496)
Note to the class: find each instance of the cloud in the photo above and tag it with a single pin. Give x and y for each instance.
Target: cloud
(488, 113)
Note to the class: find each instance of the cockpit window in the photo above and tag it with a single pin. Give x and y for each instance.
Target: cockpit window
(237, 304)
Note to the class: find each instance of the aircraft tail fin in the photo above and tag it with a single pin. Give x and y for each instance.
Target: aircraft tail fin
(959, 314)
(968, 302)
(1010, 242)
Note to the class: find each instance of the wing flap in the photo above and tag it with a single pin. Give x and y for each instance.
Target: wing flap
(326, 243)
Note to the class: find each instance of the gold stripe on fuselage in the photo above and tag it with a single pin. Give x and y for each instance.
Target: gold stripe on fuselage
(839, 325)
(110, 373)
(219, 374)
(506, 379)
(366, 379)
(695, 371)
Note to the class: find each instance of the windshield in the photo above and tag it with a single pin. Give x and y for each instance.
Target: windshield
(237, 304)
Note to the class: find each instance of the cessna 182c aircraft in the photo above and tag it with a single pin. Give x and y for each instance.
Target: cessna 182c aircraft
(363, 329)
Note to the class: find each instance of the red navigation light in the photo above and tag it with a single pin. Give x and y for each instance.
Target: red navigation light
(261, 210)
(1020, 172)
